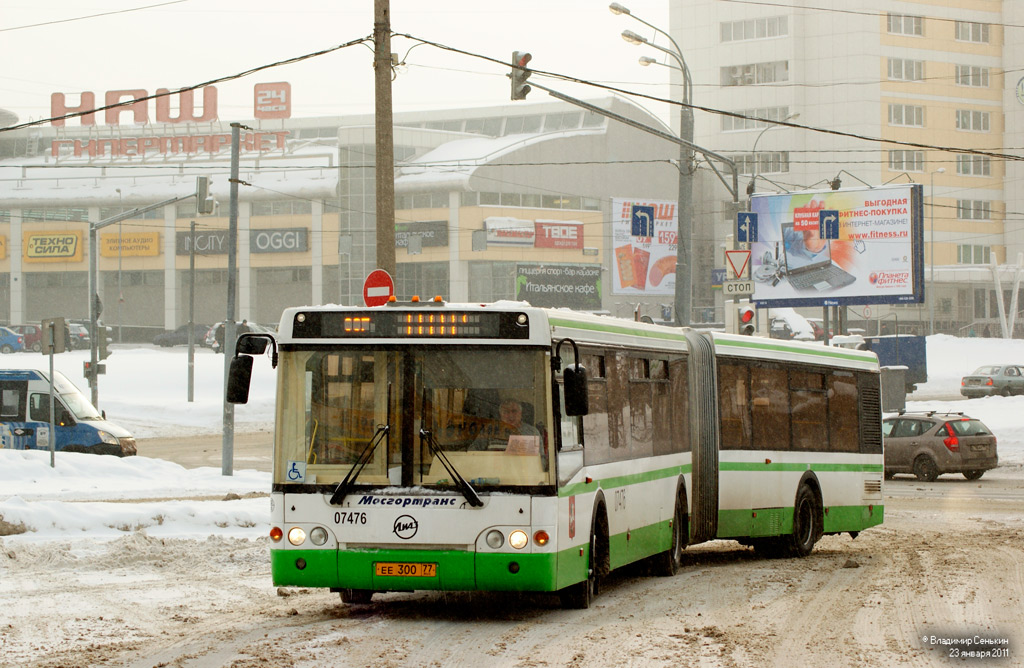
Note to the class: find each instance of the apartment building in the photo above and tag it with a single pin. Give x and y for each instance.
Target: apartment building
(876, 93)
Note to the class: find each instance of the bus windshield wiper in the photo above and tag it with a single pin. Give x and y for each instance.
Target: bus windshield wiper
(364, 458)
(463, 485)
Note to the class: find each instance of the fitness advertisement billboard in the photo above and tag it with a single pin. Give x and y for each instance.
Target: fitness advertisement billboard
(836, 248)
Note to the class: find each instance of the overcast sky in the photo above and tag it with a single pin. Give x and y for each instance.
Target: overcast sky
(72, 46)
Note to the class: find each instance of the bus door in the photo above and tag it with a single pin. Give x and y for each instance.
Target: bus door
(15, 432)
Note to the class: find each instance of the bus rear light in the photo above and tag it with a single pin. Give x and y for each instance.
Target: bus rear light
(518, 539)
(276, 534)
(541, 537)
(296, 536)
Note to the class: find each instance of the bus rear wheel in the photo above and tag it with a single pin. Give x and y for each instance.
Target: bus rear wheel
(807, 523)
(667, 563)
(356, 596)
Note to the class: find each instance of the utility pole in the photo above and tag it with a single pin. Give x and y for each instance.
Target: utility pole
(227, 454)
(384, 140)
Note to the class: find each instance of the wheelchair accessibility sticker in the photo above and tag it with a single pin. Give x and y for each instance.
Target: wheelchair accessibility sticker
(296, 471)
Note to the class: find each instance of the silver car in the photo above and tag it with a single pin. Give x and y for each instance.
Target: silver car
(991, 380)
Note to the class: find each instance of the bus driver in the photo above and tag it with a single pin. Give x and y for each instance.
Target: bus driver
(510, 412)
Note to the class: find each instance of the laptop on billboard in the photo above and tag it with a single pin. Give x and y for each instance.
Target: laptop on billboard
(808, 261)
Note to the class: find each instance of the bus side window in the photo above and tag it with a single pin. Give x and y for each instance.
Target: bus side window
(10, 404)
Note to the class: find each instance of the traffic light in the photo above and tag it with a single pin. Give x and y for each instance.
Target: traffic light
(204, 203)
(101, 333)
(745, 319)
(520, 74)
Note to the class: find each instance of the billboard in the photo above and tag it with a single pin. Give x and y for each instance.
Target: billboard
(130, 244)
(875, 254)
(575, 286)
(644, 246)
(52, 246)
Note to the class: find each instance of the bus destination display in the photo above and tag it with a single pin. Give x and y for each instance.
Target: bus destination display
(420, 324)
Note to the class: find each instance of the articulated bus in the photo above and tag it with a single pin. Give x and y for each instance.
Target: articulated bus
(501, 447)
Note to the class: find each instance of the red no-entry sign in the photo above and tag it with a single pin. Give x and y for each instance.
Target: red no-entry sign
(377, 287)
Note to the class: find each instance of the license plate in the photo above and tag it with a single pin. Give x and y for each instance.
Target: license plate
(979, 448)
(405, 570)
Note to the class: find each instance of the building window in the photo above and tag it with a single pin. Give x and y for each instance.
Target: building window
(765, 162)
(975, 121)
(973, 209)
(491, 281)
(484, 126)
(73, 215)
(972, 75)
(904, 24)
(906, 161)
(282, 207)
(746, 119)
(901, 69)
(770, 26)
(569, 120)
(755, 73)
(970, 254)
(973, 165)
(911, 115)
(972, 32)
(111, 211)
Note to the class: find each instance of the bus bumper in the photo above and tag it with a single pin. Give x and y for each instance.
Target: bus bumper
(456, 570)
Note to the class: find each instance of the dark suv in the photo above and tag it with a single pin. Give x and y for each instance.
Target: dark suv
(930, 443)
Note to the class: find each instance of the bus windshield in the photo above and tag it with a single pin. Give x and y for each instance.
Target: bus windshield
(484, 408)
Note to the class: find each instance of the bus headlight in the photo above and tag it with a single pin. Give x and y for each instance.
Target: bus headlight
(495, 539)
(318, 535)
(296, 536)
(518, 539)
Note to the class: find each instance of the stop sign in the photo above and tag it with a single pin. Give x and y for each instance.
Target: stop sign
(377, 287)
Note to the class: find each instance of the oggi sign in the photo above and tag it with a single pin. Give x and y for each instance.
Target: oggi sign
(286, 240)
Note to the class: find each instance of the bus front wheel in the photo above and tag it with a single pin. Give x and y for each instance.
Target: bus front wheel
(581, 595)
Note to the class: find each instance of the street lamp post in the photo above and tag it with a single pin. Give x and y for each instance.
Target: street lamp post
(684, 206)
(931, 251)
(753, 153)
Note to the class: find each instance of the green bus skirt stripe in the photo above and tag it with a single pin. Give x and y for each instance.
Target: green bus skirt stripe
(658, 474)
(505, 571)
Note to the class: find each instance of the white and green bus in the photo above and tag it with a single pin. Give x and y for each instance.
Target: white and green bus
(501, 447)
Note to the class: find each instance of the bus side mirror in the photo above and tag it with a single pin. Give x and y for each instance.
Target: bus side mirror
(239, 376)
(574, 380)
(255, 343)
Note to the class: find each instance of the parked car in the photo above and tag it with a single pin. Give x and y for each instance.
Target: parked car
(32, 334)
(79, 336)
(931, 443)
(215, 334)
(10, 341)
(179, 337)
(994, 379)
